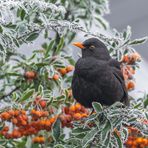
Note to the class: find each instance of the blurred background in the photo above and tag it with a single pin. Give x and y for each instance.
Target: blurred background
(133, 13)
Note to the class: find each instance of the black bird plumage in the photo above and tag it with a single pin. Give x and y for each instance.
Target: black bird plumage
(97, 77)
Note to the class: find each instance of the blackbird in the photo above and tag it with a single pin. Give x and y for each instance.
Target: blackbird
(97, 77)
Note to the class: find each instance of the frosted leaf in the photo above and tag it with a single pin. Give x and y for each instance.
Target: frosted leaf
(8, 8)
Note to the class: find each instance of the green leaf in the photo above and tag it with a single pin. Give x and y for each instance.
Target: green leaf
(13, 74)
(1, 29)
(56, 130)
(97, 107)
(107, 141)
(2, 142)
(125, 132)
(32, 36)
(131, 120)
(127, 33)
(26, 95)
(59, 146)
(79, 130)
(138, 41)
(22, 14)
(48, 49)
(106, 130)
(60, 46)
(89, 137)
(145, 102)
(118, 139)
(40, 89)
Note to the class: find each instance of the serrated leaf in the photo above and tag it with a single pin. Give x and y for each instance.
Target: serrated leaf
(89, 137)
(26, 95)
(56, 130)
(32, 37)
(97, 107)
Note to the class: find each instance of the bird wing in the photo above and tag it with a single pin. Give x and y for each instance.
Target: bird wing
(118, 74)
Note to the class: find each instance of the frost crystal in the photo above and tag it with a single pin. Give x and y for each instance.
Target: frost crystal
(8, 8)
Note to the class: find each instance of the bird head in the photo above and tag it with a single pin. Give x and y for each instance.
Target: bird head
(93, 48)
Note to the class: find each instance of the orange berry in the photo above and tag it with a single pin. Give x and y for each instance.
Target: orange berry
(84, 115)
(47, 123)
(23, 122)
(23, 112)
(11, 112)
(43, 103)
(139, 140)
(30, 74)
(77, 116)
(55, 77)
(5, 128)
(125, 59)
(16, 112)
(130, 85)
(52, 120)
(16, 134)
(69, 68)
(72, 108)
(62, 71)
(78, 106)
(35, 139)
(38, 113)
(33, 111)
(41, 140)
(5, 116)
(14, 121)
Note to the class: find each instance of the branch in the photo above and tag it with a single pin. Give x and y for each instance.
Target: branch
(10, 93)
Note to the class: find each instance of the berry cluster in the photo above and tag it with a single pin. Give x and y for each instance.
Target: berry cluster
(128, 69)
(74, 112)
(63, 71)
(19, 123)
(134, 139)
(136, 142)
(26, 123)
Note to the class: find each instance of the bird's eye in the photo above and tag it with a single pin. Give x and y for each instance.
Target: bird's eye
(92, 47)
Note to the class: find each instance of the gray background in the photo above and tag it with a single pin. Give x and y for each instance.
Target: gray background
(133, 13)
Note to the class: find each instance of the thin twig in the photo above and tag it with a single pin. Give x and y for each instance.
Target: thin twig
(10, 93)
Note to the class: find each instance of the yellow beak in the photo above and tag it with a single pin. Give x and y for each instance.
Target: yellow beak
(78, 44)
